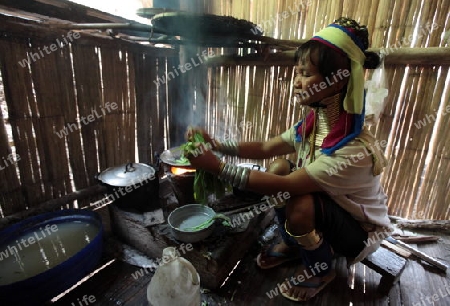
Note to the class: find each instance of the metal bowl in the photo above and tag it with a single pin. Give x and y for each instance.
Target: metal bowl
(182, 219)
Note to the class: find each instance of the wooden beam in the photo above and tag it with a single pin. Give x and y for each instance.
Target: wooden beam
(62, 9)
(424, 224)
(22, 31)
(53, 205)
(432, 56)
(69, 11)
(388, 264)
(396, 249)
(219, 41)
(102, 26)
(268, 59)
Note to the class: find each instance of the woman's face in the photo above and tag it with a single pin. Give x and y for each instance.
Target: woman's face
(310, 86)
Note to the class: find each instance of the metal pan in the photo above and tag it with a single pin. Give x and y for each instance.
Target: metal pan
(171, 156)
(183, 220)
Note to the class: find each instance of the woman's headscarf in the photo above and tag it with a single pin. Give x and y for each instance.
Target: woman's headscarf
(341, 36)
(344, 40)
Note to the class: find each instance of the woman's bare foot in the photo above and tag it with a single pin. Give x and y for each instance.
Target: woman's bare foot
(275, 255)
(304, 285)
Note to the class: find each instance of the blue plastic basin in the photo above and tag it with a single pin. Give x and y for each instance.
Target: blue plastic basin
(75, 238)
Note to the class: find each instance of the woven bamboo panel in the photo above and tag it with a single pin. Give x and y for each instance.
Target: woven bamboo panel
(118, 140)
(64, 124)
(11, 199)
(21, 107)
(146, 100)
(89, 97)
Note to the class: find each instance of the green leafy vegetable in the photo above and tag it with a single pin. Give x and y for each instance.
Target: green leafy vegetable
(182, 160)
(205, 183)
(226, 222)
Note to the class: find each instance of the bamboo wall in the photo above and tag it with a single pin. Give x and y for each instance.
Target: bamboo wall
(55, 92)
(417, 178)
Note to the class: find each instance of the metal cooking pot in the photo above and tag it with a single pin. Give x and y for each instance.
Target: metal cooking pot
(132, 186)
(193, 222)
(127, 174)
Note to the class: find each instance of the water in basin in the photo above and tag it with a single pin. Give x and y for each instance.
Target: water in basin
(40, 250)
(193, 221)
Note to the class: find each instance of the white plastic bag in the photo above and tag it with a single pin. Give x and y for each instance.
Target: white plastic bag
(176, 282)
(376, 92)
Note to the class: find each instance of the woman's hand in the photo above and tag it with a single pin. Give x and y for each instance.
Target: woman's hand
(208, 139)
(202, 158)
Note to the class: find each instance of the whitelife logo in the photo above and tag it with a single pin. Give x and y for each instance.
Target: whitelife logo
(354, 159)
(86, 120)
(33, 57)
(429, 118)
(293, 10)
(37, 236)
(11, 160)
(85, 300)
(161, 261)
(183, 68)
(316, 88)
(260, 208)
(285, 286)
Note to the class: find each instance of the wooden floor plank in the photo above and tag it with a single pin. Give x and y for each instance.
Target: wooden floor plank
(248, 285)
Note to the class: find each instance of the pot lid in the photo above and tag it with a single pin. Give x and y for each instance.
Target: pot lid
(127, 174)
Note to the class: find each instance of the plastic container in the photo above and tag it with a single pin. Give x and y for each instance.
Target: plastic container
(176, 282)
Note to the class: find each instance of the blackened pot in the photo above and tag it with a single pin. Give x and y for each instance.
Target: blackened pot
(132, 186)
